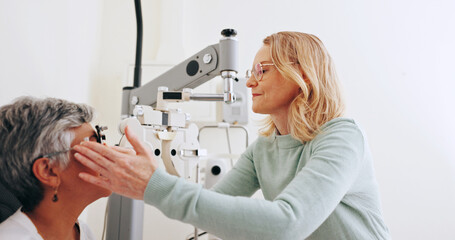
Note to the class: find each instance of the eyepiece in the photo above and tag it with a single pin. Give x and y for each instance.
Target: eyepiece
(229, 32)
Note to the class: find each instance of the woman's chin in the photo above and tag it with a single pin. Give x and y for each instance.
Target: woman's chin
(258, 109)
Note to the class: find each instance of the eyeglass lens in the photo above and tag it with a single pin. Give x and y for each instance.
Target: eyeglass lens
(258, 72)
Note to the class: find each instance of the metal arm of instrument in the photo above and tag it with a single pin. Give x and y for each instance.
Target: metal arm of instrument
(215, 60)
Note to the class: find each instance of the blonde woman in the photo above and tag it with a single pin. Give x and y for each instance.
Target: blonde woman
(312, 165)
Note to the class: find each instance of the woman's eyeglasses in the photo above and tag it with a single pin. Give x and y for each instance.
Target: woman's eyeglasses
(100, 136)
(258, 70)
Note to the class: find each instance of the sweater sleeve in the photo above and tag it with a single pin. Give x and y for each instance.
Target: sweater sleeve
(241, 180)
(294, 214)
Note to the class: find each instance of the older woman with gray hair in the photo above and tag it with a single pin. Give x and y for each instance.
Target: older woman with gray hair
(37, 166)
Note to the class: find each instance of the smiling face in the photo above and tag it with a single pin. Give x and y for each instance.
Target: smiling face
(273, 94)
(71, 185)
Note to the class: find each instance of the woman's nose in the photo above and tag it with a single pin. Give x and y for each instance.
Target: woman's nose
(251, 82)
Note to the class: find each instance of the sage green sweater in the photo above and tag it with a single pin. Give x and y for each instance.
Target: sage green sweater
(322, 189)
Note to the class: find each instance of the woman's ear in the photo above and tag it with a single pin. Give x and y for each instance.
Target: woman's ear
(47, 173)
(304, 76)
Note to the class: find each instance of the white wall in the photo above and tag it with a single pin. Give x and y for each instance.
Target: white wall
(48, 48)
(394, 59)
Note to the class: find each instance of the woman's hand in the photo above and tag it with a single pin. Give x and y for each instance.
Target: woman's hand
(121, 170)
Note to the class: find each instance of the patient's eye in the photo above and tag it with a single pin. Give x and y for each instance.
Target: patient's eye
(92, 138)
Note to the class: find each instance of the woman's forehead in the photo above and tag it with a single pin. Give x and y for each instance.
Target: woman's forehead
(263, 54)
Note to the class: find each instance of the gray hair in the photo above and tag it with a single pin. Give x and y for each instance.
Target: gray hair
(29, 128)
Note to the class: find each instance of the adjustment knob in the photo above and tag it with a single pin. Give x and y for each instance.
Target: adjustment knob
(229, 32)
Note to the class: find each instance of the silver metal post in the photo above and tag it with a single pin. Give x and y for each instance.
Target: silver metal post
(229, 76)
(207, 97)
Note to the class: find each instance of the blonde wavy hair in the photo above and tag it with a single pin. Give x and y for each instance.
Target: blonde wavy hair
(313, 70)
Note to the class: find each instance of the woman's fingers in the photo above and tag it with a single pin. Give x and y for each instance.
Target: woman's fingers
(90, 155)
(90, 164)
(101, 149)
(122, 170)
(124, 150)
(98, 181)
(138, 146)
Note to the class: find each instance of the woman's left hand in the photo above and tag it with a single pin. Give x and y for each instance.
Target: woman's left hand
(121, 170)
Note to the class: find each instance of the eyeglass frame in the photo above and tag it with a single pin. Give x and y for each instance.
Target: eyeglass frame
(249, 71)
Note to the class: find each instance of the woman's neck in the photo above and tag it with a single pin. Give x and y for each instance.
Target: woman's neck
(56, 220)
(280, 119)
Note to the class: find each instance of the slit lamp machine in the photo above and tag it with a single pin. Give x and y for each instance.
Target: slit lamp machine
(168, 132)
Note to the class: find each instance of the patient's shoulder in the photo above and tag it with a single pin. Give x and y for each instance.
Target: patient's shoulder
(19, 226)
